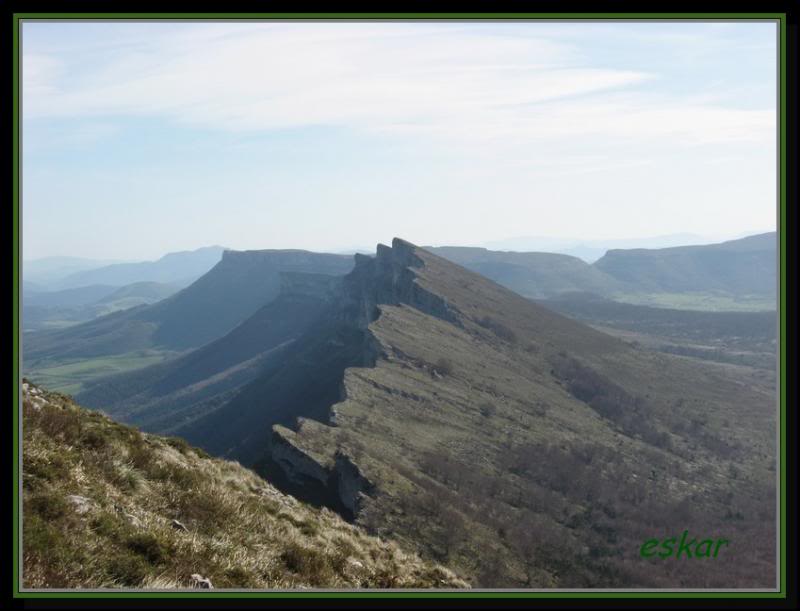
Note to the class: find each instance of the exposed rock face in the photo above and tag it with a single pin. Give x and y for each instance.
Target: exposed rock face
(299, 467)
(351, 484)
(389, 279)
(386, 279)
(337, 482)
(301, 284)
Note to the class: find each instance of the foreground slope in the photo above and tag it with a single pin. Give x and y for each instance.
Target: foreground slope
(516, 445)
(105, 506)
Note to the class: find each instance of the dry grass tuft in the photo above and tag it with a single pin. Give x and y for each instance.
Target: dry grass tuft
(241, 532)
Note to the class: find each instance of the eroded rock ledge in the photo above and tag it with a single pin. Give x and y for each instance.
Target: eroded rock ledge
(326, 474)
(333, 479)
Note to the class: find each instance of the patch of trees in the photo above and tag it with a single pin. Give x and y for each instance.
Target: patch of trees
(499, 329)
(609, 400)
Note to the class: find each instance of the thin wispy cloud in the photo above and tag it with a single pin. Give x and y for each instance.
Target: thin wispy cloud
(411, 104)
(461, 83)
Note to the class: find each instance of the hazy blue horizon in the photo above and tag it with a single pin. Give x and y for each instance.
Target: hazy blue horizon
(567, 242)
(141, 139)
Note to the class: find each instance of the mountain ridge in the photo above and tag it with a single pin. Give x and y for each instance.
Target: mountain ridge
(425, 375)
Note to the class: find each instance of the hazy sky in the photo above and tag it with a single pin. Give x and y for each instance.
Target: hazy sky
(144, 138)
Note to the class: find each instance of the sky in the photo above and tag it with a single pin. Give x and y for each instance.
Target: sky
(145, 138)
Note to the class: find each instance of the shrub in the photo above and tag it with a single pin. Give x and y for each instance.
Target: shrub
(444, 366)
(488, 410)
(205, 510)
(94, 440)
(236, 577)
(127, 569)
(59, 423)
(179, 444)
(106, 525)
(39, 537)
(48, 506)
(52, 470)
(307, 562)
(499, 329)
(149, 546)
(140, 455)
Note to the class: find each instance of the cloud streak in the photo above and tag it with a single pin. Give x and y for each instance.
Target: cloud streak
(454, 83)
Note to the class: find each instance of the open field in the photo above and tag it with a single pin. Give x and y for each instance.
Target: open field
(707, 302)
(69, 375)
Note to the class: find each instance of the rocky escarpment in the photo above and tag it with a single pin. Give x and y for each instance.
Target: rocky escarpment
(334, 480)
(305, 284)
(388, 279)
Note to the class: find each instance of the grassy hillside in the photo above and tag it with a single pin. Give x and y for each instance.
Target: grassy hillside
(208, 309)
(739, 275)
(173, 393)
(105, 506)
(513, 444)
(65, 298)
(744, 269)
(532, 274)
(68, 307)
(744, 338)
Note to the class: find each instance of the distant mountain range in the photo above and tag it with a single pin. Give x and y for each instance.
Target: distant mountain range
(40, 274)
(739, 274)
(533, 274)
(738, 270)
(178, 267)
(738, 267)
(229, 293)
(591, 250)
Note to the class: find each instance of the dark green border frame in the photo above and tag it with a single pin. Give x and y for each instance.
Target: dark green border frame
(704, 594)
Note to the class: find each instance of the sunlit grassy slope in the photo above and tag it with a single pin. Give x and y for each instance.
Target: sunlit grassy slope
(105, 506)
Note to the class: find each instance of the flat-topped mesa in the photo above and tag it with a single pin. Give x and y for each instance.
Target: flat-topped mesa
(307, 284)
(286, 257)
(389, 278)
(242, 255)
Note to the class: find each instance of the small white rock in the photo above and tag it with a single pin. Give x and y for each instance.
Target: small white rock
(81, 503)
(201, 583)
(134, 521)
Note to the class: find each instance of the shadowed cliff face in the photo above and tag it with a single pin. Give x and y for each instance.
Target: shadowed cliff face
(389, 278)
(169, 395)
